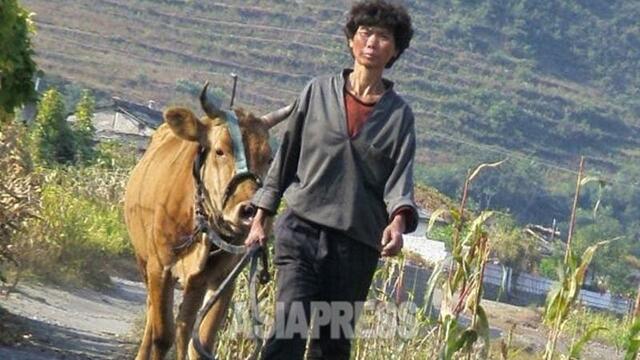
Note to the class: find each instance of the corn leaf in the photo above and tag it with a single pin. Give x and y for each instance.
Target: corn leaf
(431, 285)
(434, 217)
(455, 215)
(589, 179)
(553, 305)
(601, 185)
(454, 344)
(580, 272)
(483, 331)
(576, 348)
(632, 343)
(476, 227)
(476, 171)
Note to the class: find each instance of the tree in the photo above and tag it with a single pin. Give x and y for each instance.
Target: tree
(624, 197)
(16, 64)
(609, 264)
(511, 246)
(52, 138)
(83, 128)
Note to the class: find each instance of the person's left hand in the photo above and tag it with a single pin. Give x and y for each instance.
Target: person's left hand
(392, 237)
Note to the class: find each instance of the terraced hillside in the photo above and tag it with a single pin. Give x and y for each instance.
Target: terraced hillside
(468, 100)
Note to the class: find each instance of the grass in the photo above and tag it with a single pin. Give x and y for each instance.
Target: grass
(70, 226)
(613, 326)
(79, 230)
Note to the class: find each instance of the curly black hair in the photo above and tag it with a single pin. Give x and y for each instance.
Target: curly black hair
(382, 14)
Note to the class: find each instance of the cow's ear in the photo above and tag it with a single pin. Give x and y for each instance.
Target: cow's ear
(184, 123)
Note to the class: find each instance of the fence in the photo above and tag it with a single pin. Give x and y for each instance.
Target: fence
(525, 284)
(536, 285)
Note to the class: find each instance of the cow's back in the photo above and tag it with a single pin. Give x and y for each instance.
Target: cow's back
(158, 203)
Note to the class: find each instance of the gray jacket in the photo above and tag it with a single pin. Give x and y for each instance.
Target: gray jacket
(348, 184)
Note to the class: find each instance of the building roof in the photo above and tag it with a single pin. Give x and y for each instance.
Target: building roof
(144, 114)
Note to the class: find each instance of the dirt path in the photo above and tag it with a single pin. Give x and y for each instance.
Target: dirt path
(530, 336)
(56, 323)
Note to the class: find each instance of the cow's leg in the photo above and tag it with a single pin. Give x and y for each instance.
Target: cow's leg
(213, 321)
(145, 346)
(191, 300)
(160, 311)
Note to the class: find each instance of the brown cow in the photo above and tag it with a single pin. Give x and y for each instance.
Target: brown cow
(160, 216)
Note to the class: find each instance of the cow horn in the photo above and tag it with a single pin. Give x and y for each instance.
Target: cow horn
(209, 108)
(274, 118)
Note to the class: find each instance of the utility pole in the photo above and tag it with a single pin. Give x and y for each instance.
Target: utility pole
(636, 309)
(572, 222)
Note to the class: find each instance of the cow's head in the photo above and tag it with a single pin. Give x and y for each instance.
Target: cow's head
(213, 133)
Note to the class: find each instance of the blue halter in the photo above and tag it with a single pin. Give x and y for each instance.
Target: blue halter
(242, 170)
(238, 145)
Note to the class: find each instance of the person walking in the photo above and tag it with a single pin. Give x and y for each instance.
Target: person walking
(345, 170)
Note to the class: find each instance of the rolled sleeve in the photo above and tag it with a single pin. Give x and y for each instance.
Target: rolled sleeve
(410, 217)
(268, 200)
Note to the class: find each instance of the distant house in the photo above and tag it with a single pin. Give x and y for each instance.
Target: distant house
(134, 118)
(126, 121)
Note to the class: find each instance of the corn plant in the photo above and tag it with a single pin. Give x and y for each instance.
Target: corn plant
(431, 285)
(236, 338)
(430, 340)
(632, 338)
(464, 285)
(576, 347)
(561, 300)
(505, 345)
(632, 341)
(403, 335)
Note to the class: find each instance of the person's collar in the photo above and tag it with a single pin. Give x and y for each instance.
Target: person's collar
(388, 84)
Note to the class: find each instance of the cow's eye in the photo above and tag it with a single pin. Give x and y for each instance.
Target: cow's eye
(270, 161)
(219, 152)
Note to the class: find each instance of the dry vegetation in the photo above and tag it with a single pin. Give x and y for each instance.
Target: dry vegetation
(19, 201)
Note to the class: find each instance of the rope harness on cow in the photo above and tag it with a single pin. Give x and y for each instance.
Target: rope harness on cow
(252, 255)
(213, 226)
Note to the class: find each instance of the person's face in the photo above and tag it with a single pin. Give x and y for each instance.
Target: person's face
(373, 46)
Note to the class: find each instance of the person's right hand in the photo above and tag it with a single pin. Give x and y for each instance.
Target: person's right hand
(257, 234)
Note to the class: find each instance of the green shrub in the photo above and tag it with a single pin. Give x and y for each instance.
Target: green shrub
(52, 138)
(511, 246)
(112, 154)
(549, 267)
(80, 227)
(84, 131)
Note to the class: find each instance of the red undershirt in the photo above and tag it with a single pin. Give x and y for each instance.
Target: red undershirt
(357, 114)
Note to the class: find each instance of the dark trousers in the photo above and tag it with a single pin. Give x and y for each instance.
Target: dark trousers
(316, 264)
